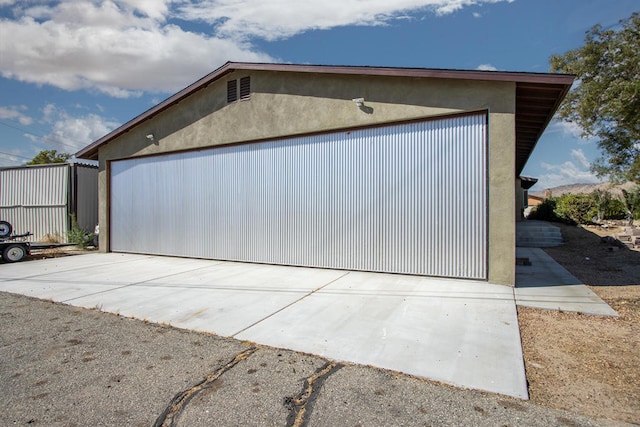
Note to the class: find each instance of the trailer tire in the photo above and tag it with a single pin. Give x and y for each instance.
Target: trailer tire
(5, 229)
(14, 253)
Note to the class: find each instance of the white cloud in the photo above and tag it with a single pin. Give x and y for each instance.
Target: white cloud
(69, 133)
(569, 130)
(579, 157)
(486, 67)
(574, 171)
(111, 48)
(13, 156)
(77, 132)
(125, 47)
(272, 20)
(16, 113)
(156, 9)
(566, 128)
(477, 15)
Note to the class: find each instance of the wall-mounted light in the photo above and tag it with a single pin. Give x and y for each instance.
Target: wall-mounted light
(150, 137)
(359, 102)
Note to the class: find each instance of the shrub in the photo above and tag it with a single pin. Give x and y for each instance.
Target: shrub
(615, 210)
(576, 208)
(545, 211)
(78, 235)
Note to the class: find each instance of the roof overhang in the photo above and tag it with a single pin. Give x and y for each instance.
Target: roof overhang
(538, 96)
(526, 182)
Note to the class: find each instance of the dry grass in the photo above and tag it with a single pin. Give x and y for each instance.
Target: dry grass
(52, 238)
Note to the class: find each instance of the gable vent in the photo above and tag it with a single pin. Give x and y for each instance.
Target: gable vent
(245, 88)
(232, 91)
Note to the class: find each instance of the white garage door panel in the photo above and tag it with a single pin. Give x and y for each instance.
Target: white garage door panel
(406, 198)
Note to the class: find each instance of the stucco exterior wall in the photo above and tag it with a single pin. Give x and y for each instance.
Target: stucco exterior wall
(285, 104)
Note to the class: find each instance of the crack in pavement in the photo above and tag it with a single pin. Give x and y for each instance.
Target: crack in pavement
(169, 416)
(301, 406)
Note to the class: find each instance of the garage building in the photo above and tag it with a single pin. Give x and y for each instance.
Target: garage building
(398, 170)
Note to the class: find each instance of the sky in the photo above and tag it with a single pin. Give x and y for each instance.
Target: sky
(73, 70)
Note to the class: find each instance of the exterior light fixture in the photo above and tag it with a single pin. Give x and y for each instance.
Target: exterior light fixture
(359, 102)
(150, 137)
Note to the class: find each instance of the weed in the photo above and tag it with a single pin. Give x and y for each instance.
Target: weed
(78, 235)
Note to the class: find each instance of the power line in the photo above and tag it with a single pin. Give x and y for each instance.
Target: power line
(44, 138)
(14, 155)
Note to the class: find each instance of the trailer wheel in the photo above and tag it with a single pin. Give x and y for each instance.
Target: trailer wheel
(14, 253)
(5, 229)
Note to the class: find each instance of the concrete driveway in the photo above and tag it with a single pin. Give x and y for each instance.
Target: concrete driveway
(464, 333)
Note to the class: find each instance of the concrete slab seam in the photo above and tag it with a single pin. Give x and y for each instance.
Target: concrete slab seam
(133, 284)
(170, 415)
(301, 406)
(289, 305)
(72, 269)
(524, 367)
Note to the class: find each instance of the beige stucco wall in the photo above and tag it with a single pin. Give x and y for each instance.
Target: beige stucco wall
(297, 103)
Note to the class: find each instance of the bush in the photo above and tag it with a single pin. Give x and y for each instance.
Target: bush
(545, 211)
(580, 208)
(576, 208)
(78, 235)
(615, 210)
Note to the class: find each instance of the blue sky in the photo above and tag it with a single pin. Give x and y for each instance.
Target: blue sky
(71, 71)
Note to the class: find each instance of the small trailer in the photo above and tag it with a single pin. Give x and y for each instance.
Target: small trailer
(13, 248)
(16, 247)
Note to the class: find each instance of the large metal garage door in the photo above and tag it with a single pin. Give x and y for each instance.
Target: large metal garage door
(404, 198)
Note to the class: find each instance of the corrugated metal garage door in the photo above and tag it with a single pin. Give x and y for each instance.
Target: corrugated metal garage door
(404, 198)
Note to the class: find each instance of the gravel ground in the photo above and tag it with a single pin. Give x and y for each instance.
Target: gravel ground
(66, 366)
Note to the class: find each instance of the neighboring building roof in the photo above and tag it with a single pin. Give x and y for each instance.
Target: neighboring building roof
(538, 96)
(527, 182)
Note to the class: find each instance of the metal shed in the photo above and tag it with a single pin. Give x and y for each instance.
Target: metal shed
(42, 198)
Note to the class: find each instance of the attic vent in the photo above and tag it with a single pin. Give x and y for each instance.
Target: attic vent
(245, 88)
(232, 91)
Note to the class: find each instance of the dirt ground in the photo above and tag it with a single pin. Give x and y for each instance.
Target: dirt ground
(582, 363)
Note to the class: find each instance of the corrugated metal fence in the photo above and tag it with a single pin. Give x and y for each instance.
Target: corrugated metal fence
(405, 198)
(37, 198)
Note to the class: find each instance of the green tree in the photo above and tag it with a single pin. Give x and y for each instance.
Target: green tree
(602, 199)
(616, 210)
(49, 156)
(632, 202)
(605, 100)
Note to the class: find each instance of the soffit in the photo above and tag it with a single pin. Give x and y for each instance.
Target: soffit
(536, 104)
